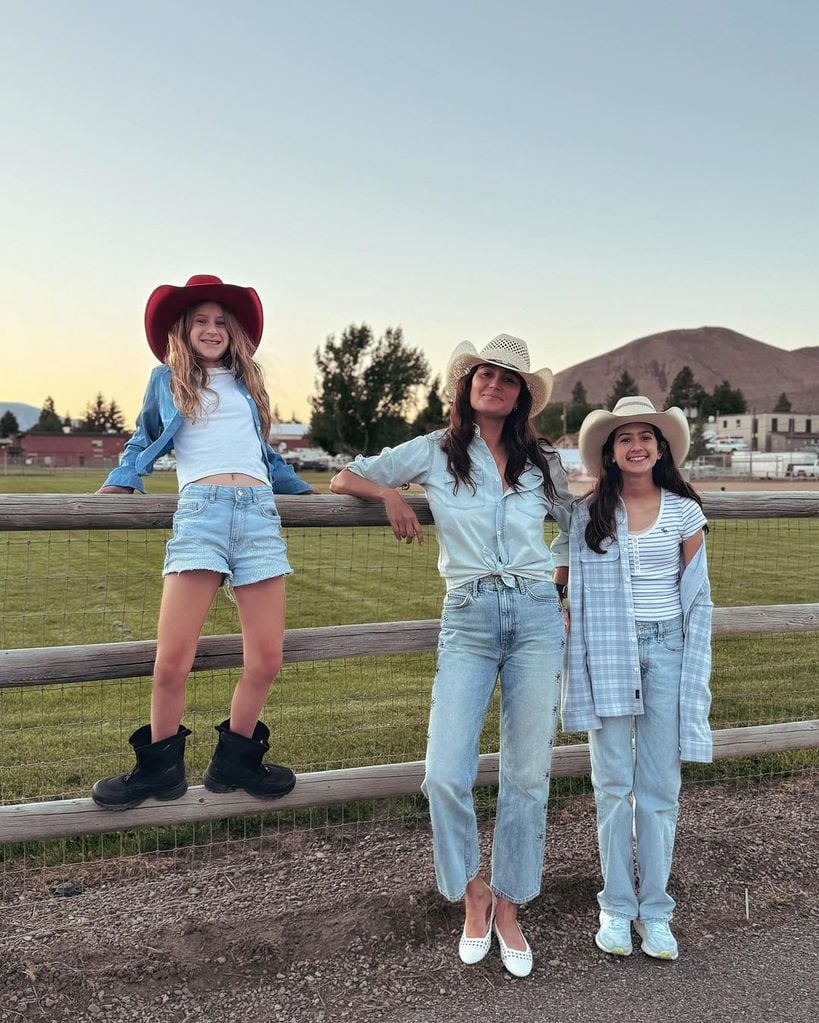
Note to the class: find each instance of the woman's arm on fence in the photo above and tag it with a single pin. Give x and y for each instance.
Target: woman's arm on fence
(404, 522)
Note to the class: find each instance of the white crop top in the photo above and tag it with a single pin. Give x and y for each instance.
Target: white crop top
(654, 557)
(223, 438)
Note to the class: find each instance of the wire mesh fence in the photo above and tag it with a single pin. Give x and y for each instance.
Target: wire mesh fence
(102, 586)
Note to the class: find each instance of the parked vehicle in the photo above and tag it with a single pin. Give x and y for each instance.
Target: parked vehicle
(775, 464)
(726, 444)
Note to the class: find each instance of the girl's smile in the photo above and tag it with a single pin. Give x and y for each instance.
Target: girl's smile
(635, 448)
(209, 336)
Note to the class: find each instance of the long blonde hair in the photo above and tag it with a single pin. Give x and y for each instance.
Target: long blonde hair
(189, 378)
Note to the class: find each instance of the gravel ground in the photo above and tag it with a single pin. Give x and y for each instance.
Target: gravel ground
(334, 928)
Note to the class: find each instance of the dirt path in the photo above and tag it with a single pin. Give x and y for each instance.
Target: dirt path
(349, 927)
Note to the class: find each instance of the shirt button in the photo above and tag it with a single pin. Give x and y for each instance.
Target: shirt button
(499, 532)
(631, 639)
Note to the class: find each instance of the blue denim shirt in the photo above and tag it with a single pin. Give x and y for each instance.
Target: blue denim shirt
(158, 422)
(491, 532)
(602, 673)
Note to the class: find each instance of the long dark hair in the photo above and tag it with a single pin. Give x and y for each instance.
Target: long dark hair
(609, 485)
(518, 437)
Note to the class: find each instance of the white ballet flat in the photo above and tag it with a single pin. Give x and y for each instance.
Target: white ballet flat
(472, 950)
(517, 962)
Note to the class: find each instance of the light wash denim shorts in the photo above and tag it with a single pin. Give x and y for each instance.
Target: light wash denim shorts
(235, 531)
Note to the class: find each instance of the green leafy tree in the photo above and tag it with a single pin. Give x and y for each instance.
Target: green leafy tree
(782, 404)
(365, 390)
(727, 400)
(431, 417)
(549, 422)
(623, 386)
(8, 424)
(578, 408)
(686, 393)
(103, 417)
(49, 421)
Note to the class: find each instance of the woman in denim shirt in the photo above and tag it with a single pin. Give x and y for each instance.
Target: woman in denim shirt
(490, 484)
(639, 656)
(208, 402)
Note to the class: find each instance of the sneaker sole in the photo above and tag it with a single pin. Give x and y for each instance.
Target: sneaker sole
(615, 950)
(667, 956)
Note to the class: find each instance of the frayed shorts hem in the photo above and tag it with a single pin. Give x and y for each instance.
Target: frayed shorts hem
(228, 576)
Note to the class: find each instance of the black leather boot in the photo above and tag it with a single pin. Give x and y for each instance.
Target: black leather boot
(237, 764)
(159, 772)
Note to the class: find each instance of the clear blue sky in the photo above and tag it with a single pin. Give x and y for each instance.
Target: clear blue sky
(576, 176)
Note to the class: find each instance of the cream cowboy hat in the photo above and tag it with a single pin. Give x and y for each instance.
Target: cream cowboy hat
(635, 408)
(509, 353)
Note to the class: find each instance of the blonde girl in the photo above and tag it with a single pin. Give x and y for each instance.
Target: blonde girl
(207, 402)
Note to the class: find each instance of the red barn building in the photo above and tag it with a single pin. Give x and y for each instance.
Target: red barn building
(72, 449)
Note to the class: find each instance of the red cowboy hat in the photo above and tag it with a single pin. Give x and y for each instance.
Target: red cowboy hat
(167, 303)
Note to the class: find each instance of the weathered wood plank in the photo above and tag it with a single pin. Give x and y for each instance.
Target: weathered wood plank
(93, 662)
(34, 666)
(66, 818)
(126, 511)
(142, 511)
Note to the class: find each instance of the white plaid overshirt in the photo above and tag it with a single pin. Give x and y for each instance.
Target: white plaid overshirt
(602, 672)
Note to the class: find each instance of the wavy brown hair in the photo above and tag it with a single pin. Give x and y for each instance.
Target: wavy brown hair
(189, 378)
(518, 437)
(605, 495)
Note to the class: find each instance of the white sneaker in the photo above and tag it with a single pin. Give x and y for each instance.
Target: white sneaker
(614, 935)
(658, 941)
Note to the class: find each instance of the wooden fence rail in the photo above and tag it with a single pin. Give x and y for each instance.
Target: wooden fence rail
(124, 511)
(88, 662)
(36, 666)
(65, 818)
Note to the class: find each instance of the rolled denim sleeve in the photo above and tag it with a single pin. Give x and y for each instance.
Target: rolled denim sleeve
(561, 512)
(148, 429)
(406, 463)
(283, 477)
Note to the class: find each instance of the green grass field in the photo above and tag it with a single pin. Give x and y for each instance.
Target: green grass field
(95, 587)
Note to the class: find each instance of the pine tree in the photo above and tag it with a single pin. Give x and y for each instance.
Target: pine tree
(623, 386)
(49, 421)
(8, 424)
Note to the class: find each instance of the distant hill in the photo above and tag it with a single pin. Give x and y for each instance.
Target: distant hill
(26, 415)
(761, 371)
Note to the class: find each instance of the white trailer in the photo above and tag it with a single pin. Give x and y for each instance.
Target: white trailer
(771, 465)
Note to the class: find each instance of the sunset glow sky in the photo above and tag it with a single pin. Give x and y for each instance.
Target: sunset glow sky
(577, 176)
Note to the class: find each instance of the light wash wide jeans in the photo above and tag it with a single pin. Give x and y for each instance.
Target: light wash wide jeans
(490, 629)
(636, 776)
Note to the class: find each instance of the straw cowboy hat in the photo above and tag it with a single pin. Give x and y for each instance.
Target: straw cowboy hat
(599, 424)
(507, 352)
(167, 303)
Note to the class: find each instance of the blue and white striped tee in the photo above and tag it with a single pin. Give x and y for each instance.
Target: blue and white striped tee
(654, 557)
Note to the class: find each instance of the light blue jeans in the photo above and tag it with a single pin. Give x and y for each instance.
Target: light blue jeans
(636, 776)
(489, 629)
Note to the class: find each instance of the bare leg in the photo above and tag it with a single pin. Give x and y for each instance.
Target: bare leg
(261, 612)
(186, 598)
(478, 906)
